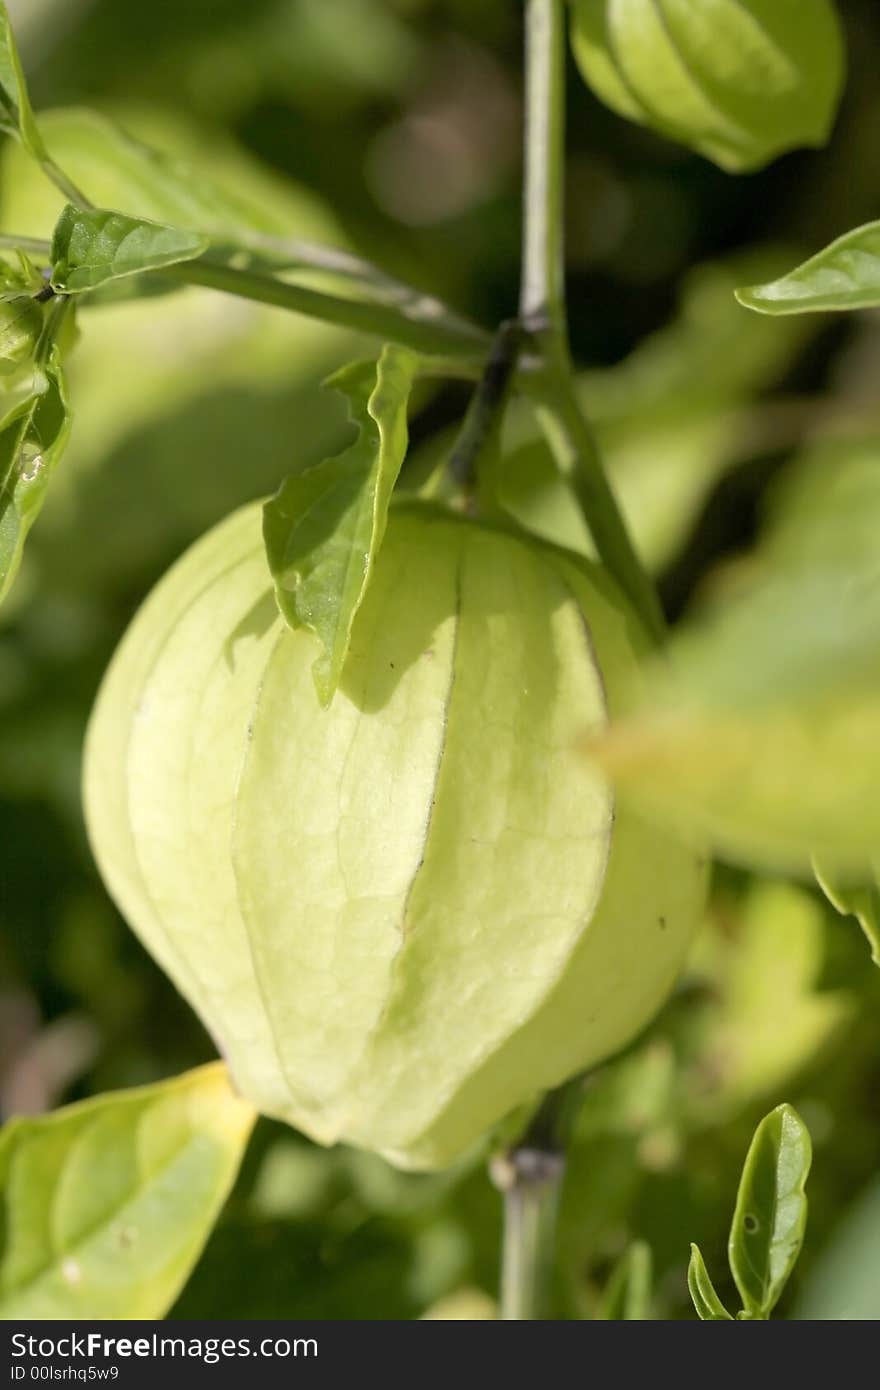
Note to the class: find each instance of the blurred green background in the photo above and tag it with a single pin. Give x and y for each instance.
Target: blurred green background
(393, 127)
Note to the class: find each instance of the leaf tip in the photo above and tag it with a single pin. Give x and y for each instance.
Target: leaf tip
(751, 297)
(231, 1115)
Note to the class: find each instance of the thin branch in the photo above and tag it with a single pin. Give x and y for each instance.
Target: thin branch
(65, 185)
(578, 460)
(529, 1176)
(542, 286)
(530, 1181)
(259, 251)
(52, 329)
(400, 313)
(542, 307)
(32, 246)
(465, 346)
(482, 424)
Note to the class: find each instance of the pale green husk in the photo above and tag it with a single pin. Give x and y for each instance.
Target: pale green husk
(402, 916)
(741, 81)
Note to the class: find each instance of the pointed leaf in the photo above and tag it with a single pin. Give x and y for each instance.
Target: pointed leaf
(771, 1210)
(702, 1291)
(627, 1295)
(16, 115)
(90, 248)
(846, 275)
(21, 324)
(32, 439)
(106, 1205)
(324, 527)
(861, 901)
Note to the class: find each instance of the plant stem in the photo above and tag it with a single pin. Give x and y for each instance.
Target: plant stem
(64, 185)
(259, 251)
(402, 314)
(480, 433)
(529, 1175)
(31, 245)
(51, 330)
(542, 309)
(542, 286)
(530, 1181)
(578, 460)
(465, 345)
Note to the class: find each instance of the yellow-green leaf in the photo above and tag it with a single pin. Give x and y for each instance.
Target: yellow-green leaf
(860, 900)
(16, 115)
(771, 1016)
(845, 275)
(702, 1291)
(324, 527)
(763, 731)
(90, 248)
(33, 435)
(106, 1205)
(771, 1210)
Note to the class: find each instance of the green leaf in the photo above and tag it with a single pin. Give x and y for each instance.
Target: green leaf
(771, 1014)
(324, 527)
(861, 900)
(90, 248)
(21, 324)
(763, 732)
(33, 434)
(740, 81)
(208, 185)
(107, 1204)
(778, 780)
(846, 275)
(16, 115)
(627, 1295)
(702, 1291)
(771, 1210)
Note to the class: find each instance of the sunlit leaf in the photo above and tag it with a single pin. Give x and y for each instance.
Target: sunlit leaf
(846, 275)
(627, 1295)
(324, 527)
(860, 900)
(773, 784)
(33, 434)
(107, 1204)
(156, 164)
(201, 414)
(90, 248)
(21, 323)
(763, 732)
(771, 1210)
(740, 81)
(770, 1013)
(702, 1291)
